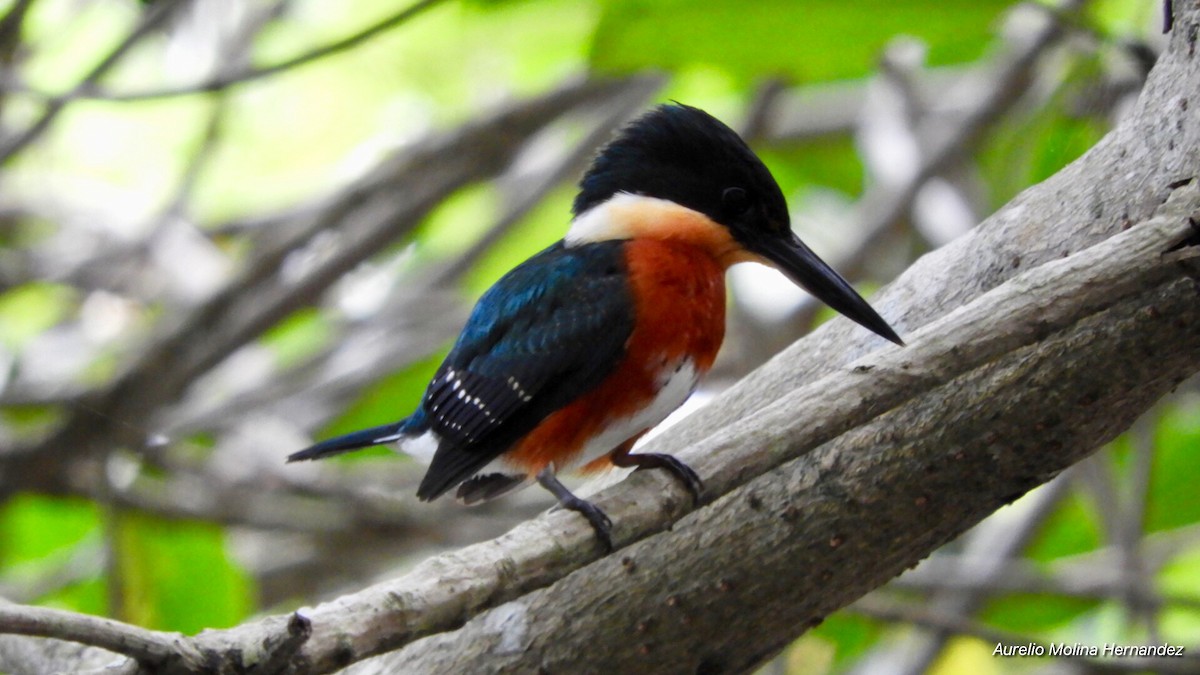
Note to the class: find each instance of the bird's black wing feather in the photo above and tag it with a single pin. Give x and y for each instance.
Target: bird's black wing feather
(546, 333)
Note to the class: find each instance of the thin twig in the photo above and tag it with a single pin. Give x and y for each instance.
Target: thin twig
(226, 81)
(153, 17)
(369, 215)
(146, 646)
(882, 208)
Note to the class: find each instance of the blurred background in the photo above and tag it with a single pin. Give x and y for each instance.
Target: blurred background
(231, 227)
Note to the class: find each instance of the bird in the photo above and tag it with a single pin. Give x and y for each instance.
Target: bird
(573, 355)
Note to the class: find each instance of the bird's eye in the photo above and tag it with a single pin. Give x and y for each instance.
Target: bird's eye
(735, 200)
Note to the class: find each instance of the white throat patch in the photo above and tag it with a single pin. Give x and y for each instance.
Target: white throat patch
(625, 216)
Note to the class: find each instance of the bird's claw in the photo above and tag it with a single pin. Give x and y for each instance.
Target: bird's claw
(653, 460)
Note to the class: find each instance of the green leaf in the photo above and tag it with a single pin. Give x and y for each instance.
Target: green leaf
(177, 576)
(28, 310)
(830, 162)
(1180, 578)
(850, 634)
(1073, 528)
(1172, 498)
(33, 527)
(1029, 148)
(38, 535)
(1025, 613)
(457, 222)
(545, 225)
(1122, 16)
(301, 334)
(811, 41)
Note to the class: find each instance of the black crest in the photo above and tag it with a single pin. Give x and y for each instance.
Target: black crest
(683, 154)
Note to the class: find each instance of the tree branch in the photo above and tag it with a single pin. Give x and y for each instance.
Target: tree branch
(150, 21)
(145, 646)
(225, 81)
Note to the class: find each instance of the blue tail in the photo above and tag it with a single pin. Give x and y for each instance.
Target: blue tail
(353, 441)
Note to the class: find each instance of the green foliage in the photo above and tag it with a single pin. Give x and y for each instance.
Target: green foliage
(1172, 501)
(298, 336)
(457, 222)
(177, 575)
(542, 227)
(1072, 528)
(29, 310)
(831, 162)
(851, 635)
(38, 536)
(801, 42)
(34, 527)
(1180, 578)
(1035, 144)
(1026, 614)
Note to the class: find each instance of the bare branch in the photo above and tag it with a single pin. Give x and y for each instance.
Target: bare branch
(228, 80)
(153, 17)
(146, 646)
(368, 216)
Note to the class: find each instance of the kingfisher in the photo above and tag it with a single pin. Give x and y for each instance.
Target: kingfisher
(580, 350)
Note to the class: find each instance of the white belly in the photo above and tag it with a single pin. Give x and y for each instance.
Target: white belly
(676, 384)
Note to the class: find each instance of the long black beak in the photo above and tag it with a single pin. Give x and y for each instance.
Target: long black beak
(803, 266)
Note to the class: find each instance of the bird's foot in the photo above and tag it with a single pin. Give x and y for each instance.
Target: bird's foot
(654, 460)
(597, 518)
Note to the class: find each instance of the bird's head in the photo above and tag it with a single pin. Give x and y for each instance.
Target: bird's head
(678, 173)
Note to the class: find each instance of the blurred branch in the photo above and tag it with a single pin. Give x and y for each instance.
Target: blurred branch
(530, 191)
(10, 37)
(988, 549)
(152, 18)
(1096, 579)
(378, 209)
(958, 624)
(881, 209)
(224, 81)
(149, 648)
(885, 206)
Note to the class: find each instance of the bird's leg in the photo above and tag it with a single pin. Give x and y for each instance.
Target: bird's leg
(600, 522)
(652, 460)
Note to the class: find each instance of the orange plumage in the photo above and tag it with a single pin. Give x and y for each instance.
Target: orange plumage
(679, 303)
